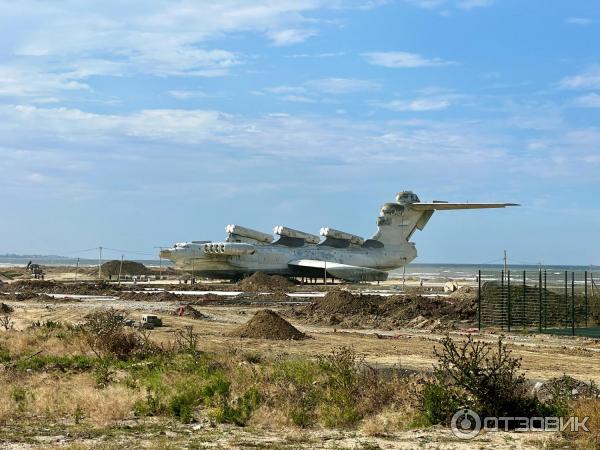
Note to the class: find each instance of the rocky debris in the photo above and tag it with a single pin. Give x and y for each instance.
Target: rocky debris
(566, 387)
(344, 309)
(130, 268)
(259, 281)
(5, 309)
(30, 287)
(450, 286)
(151, 296)
(267, 324)
(189, 311)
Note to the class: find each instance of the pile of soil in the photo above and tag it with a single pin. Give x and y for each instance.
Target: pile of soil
(129, 268)
(267, 324)
(5, 309)
(349, 310)
(259, 281)
(568, 388)
(31, 287)
(189, 311)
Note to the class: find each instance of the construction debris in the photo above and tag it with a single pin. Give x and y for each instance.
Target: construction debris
(267, 324)
(189, 311)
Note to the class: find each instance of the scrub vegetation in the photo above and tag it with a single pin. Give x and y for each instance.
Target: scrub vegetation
(100, 374)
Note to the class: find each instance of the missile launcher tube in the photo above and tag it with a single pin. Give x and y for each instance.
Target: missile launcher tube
(290, 232)
(249, 233)
(337, 234)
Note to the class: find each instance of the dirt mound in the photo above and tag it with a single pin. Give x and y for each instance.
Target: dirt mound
(566, 387)
(189, 311)
(267, 324)
(5, 309)
(129, 268)
(259, 281)
(349, 310)
(338, 301)
(30, 287)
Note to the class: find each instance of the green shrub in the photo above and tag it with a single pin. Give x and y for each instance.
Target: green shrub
(46, 362)
(4, 355)
(20, 397)
(105, 333)
(241, 410)
(341, 387)
(478, 376)
(296, 380)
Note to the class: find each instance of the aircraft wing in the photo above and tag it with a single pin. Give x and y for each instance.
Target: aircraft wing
(343, 271)
(446, 206)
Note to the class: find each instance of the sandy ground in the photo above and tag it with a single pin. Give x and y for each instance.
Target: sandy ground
(543, 356)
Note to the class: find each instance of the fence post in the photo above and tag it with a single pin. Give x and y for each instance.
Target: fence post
(587, 306)
(573, 303)
(479, 300)
(566, 321)
(540, 300)
(545, 299)
(523, 321)
(509, 305)
(502, 296)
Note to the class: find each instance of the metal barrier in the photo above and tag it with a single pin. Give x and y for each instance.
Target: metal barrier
(545, 301)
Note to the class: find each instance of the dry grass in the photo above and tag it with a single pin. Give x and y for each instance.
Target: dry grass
(64, 397)
(587, 408)
(33, 340)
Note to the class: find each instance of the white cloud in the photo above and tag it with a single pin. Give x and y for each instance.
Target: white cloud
(22, 82)
(286, 90)
(470, 4)
(297, 99)
(590, 79)
(187, 95)
(159, 37)
(36, 178)
(291, 36)
(582, 21)
(461, 4)
(341, 85)
(403, 60)
(587, 101)
(417, 105)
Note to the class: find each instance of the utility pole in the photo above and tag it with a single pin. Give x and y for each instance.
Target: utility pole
(160, 259)
(505, 262)
(77, 269)
(325, 273)
(120, 269)
(100, 262)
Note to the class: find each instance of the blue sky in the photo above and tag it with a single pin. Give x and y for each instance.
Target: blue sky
(161, 121)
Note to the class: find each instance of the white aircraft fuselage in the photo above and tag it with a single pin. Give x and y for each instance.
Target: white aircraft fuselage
(339, 254)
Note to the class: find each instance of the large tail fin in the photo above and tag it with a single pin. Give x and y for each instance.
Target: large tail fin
(398, 220)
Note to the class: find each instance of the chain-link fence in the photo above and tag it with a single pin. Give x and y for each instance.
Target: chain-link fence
(544, 301)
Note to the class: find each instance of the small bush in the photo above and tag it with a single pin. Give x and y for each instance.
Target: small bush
(341, 369)
(104, 332)
(477, 376)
